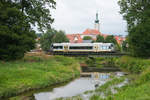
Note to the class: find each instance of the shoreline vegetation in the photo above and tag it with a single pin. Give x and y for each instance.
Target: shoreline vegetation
(41, 71)
(139, 79)
(35, 72)
(136, 88)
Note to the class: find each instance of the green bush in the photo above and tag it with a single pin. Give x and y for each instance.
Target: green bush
(131, 64)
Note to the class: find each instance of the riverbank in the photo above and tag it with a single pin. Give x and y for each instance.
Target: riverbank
(134, 86)
(34, 72)
(139, 79)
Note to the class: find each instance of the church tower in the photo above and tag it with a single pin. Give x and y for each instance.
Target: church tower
(97, 24)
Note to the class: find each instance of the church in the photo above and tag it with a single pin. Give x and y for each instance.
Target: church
(78, 38)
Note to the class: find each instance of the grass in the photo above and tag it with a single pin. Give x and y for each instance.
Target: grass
(95, 97)
(34, 72)
(98, 62)
(133, 92)
(139, 77)
(109, 84)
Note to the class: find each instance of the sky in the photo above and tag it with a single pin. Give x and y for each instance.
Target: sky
(75, 16)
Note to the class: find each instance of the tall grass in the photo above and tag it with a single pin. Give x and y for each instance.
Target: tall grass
(138, 89)
(139, 76)
(35, 72)
(133, 65)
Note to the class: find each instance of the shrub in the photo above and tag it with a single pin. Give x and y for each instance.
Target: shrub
(131, 64)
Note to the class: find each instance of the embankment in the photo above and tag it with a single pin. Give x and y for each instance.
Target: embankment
(35, 72)
(139, 80)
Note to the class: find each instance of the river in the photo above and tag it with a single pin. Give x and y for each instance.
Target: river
(73, 88)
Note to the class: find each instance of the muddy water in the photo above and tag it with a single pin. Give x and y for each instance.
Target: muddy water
(73, 88)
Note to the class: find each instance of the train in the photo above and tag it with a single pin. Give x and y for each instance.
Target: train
(81, 48)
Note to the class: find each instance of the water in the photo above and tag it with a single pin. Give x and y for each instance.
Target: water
(76, 87)
(73, 88)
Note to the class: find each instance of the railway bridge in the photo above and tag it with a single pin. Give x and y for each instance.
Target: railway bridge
(92, 54)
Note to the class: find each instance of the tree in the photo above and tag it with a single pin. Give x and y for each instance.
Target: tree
(37, 11)
(110, 39)
(137, 15)
(15, 32)
(52, 36)
(139, 40)
(87, 38)
(125, 46)
(46, 39)
(100, 38)
(60, 37)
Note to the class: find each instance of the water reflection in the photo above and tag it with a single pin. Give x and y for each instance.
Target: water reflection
(75, 87)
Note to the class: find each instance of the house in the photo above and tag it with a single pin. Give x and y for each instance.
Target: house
(78, 38)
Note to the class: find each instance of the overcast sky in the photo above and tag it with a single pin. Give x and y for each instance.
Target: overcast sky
(74, 16)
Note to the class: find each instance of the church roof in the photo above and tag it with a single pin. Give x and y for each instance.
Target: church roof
(91, 32)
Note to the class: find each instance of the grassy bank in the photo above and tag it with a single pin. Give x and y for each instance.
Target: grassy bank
(99, 62)
(139, 69)
(34, 72)
(139, 76)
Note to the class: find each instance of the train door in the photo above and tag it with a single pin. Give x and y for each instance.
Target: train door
(66, 48)
(95, 47)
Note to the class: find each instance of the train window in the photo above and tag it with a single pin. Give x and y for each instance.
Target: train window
(80, 47)
(104, 47)
(109, 47)
(58, 47)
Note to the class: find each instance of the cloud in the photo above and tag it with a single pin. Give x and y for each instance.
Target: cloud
(74, 16)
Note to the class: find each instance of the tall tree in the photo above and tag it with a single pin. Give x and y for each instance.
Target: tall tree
(137, 15)
(37, 11)
(16, 35)
(110, 39)
(52, 36)
(60, 37)
(100, 38)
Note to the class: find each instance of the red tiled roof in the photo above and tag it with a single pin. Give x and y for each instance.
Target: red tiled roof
(91, 32)
(119, 39)
(72, 37)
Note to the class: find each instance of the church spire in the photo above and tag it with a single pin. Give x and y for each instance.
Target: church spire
(97, 20)
(97, 25)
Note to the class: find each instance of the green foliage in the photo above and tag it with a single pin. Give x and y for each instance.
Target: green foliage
(96, 97)
(37, 11)
(34, 72)
(144, 77)
(16, 35)
(87, 38)
(110, 39)
(46, 39)
(133, 92)
(109, 84)
(59, 37)
(139, 40)
(100, 38)
(137, 15)
(52, 36)
(39, 35)
(124, 46)
(133, 65)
